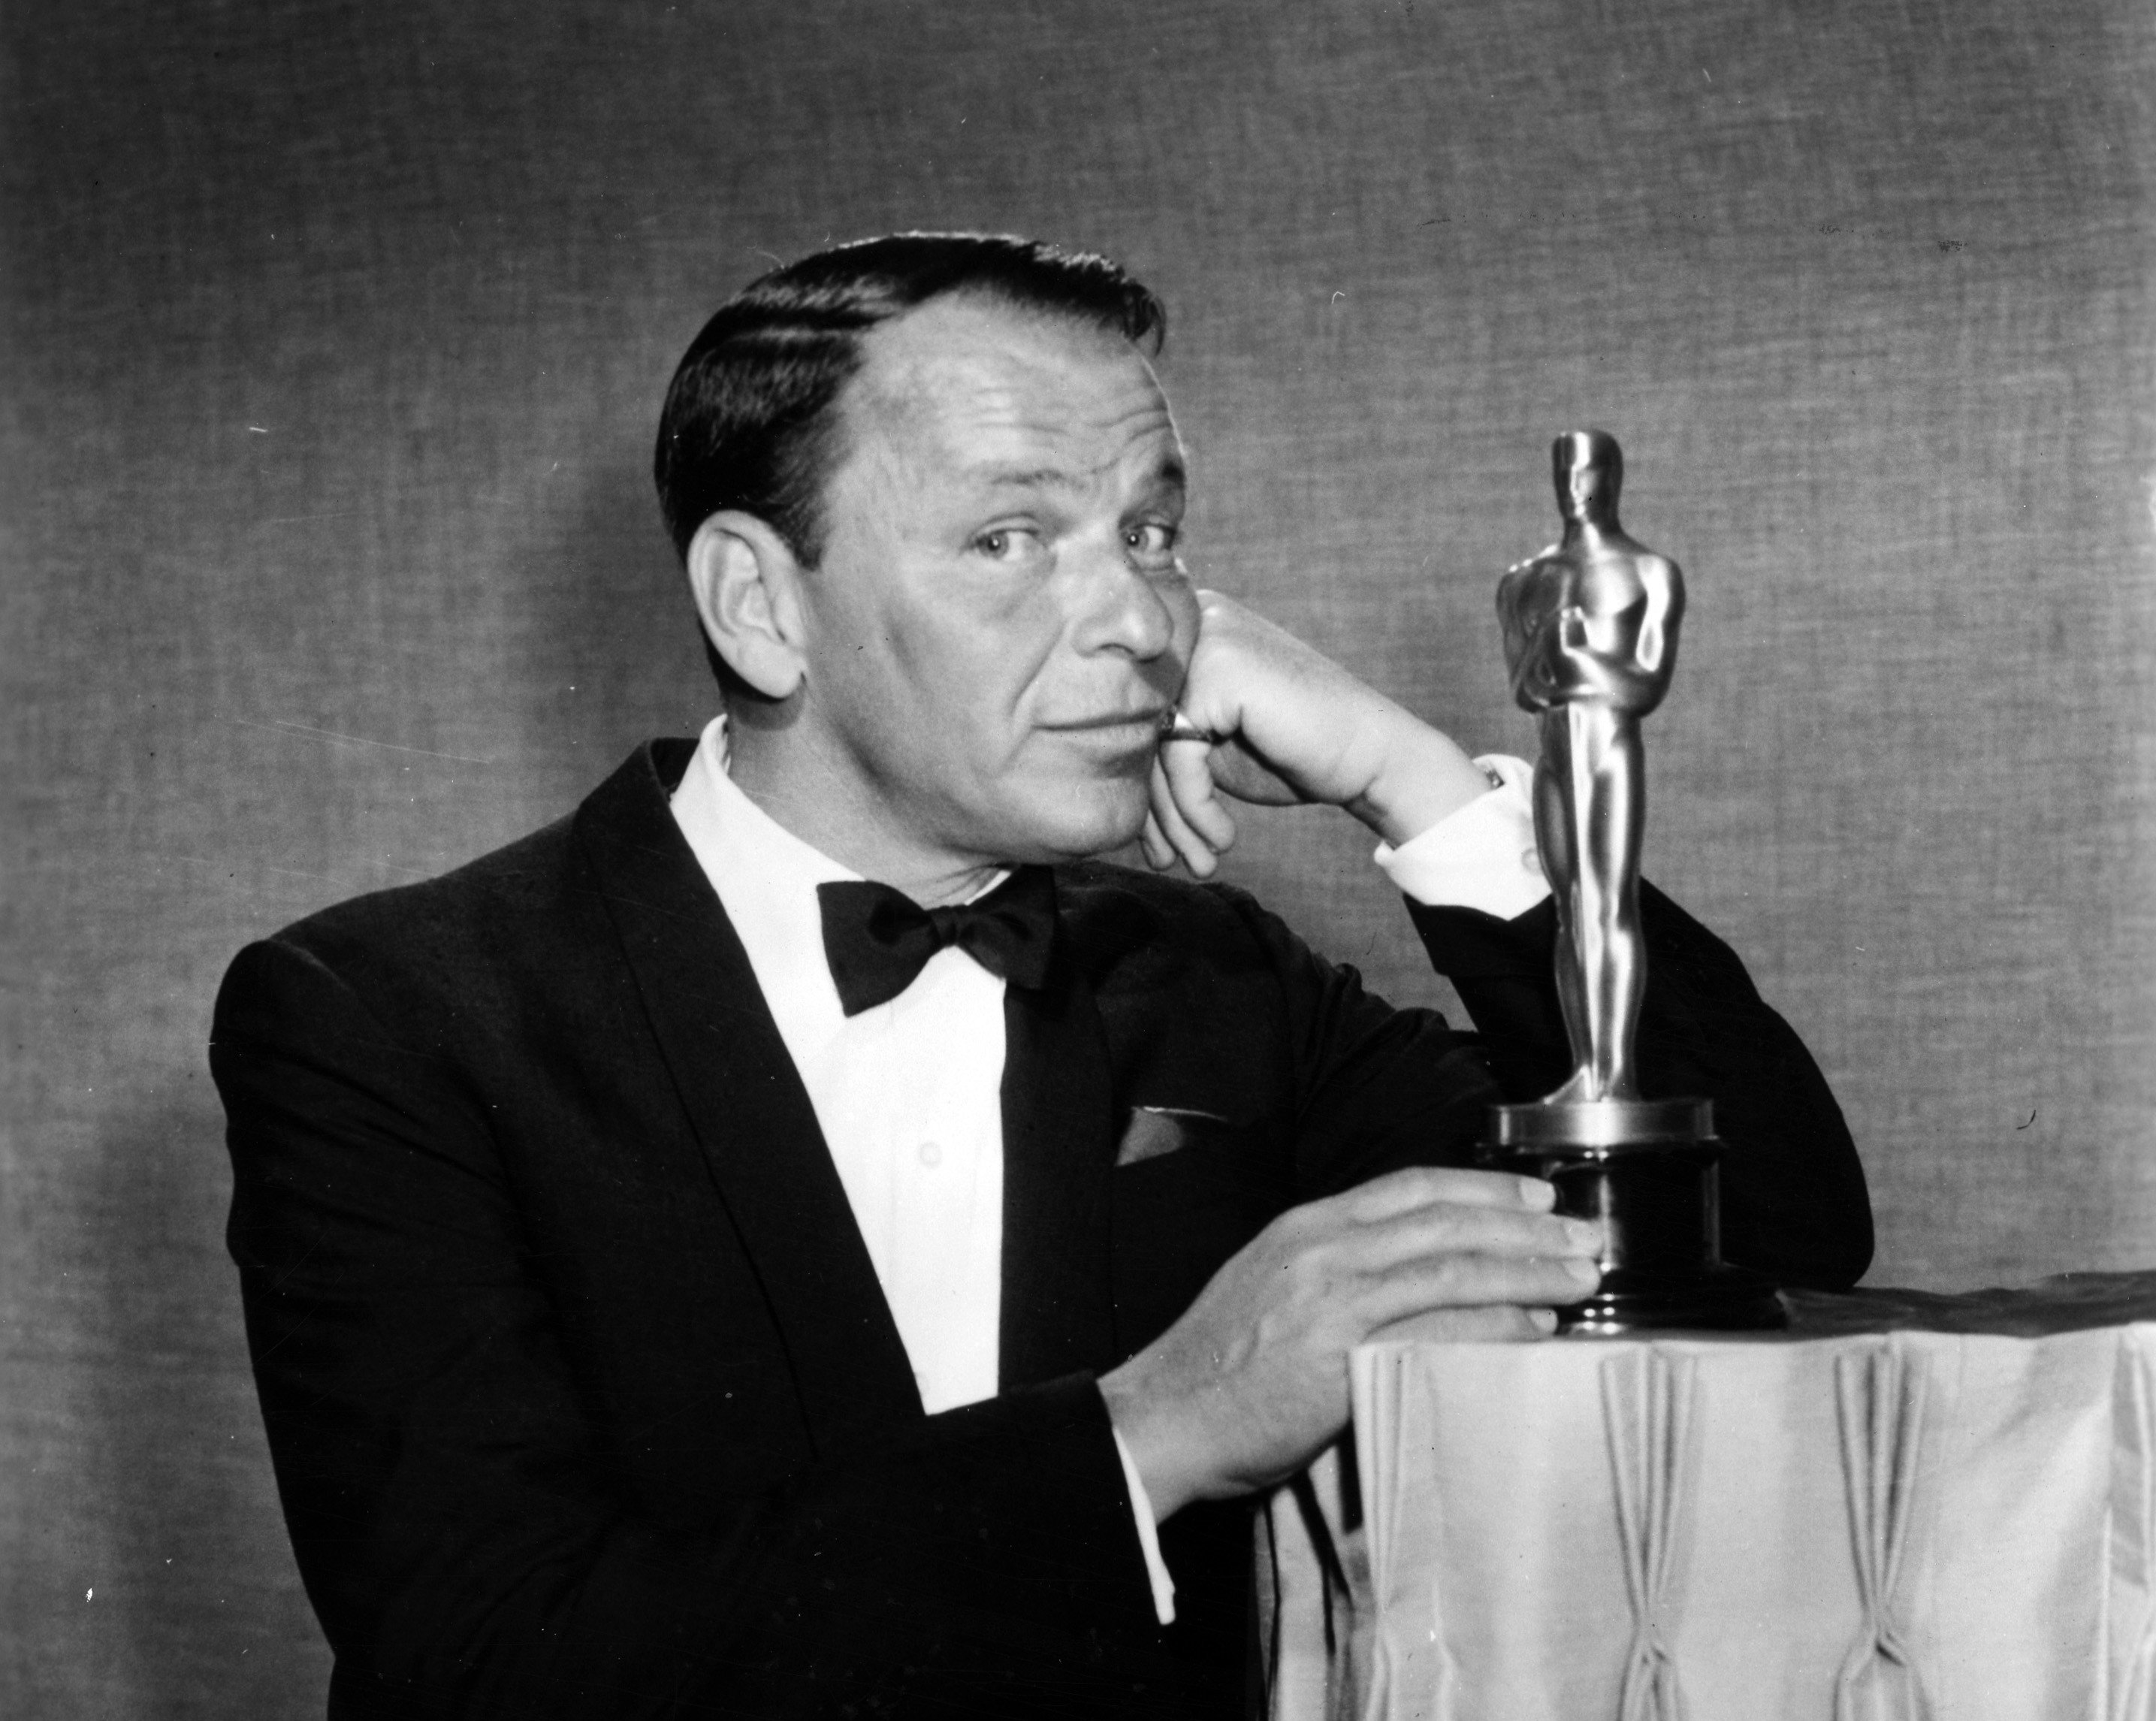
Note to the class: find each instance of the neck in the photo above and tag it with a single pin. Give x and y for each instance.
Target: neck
(1589, 530)
(827, 808)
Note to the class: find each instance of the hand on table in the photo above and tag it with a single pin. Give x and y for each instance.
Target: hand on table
(1252, 1382)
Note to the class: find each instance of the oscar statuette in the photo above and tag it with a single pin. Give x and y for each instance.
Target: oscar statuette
(1591, 628)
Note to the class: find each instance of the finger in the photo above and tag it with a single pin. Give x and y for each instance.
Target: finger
(1192, 848)
(1471, 1282)
(1159, 856)
(1182, 843)
(1424, 1185)
(1428, 1234)
(1497, 1323)
(1188, 766)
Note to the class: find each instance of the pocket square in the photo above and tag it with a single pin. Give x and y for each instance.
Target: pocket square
(1154, 1130)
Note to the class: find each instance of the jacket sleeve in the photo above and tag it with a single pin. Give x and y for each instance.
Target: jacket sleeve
(458, 1522)
(1794, 1202)
(1382, 1088)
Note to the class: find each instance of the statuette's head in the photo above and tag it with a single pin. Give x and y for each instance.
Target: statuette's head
(1589, 470)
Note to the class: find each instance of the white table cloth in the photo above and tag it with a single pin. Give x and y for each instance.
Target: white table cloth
(1907, 1506)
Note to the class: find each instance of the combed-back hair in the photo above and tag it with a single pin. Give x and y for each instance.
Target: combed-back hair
(749, 423)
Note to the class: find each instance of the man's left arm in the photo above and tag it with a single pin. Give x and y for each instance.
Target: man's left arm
(1300, 728)
(1794, 1201)
(1252, 1379)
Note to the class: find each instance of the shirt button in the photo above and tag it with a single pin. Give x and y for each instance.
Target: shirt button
(1530, 860)
(930, 1153)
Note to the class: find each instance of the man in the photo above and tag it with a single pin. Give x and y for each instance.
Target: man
(695, 1266)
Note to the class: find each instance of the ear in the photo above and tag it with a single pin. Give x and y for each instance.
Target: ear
(746, 585)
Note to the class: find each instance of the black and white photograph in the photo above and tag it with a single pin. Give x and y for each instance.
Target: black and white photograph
(1009, 858)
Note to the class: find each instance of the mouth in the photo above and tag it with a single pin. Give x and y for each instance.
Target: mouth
(1147, 722)
(1120, 742)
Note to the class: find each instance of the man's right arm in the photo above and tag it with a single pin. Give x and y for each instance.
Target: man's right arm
(466, 1523)
(1251, 1383)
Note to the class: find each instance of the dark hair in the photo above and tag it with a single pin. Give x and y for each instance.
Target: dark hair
(749, 422)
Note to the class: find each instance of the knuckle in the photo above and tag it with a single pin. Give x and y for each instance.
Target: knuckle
(1317, 1268)
(1410, 1188)
(1452, 1276)
(1296, 1224)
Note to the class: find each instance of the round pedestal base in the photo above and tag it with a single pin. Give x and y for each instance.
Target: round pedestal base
(1647, 1170)
(1719, 1298)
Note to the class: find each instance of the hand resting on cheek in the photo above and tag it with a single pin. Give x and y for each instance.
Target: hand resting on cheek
(1271, 720)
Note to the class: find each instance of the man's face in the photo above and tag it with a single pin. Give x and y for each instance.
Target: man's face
(999, 620)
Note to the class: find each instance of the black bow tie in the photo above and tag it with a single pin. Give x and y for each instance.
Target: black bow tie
(878, 939)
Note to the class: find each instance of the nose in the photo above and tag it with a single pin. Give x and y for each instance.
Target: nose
(1128, 608)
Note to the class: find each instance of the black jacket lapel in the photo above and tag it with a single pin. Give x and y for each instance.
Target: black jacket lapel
(1059, 1151)
(747, 1106)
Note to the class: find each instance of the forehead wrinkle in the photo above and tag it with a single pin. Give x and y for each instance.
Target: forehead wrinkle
(1044, 407)
(1167, 472)
(1002, 408)
(1079, 456)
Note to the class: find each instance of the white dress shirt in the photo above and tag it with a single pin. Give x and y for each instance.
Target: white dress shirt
(909, 1093)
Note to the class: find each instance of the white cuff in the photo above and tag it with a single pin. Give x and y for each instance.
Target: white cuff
(1163, 1586)
(1482, 856)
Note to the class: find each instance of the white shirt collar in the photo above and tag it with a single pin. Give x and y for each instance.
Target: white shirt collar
(766, 878)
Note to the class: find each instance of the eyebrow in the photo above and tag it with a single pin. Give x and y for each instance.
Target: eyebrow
(1170, 473)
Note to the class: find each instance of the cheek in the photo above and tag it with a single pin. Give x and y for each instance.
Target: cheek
(951, 666)
(957, 687)
(994, 659)
(1181, 598)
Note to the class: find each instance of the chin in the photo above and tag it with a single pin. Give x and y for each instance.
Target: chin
(1079, 821)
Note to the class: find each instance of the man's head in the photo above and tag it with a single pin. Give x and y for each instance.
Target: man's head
(954, 615)
(749, 421)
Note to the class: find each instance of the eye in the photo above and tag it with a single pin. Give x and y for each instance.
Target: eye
(1152, 542)
(1006, 543)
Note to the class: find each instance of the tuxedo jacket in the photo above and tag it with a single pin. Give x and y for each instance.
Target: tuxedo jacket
(581, 1393)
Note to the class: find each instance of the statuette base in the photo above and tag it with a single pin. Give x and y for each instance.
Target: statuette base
(1648, 1170)
(1719, 1299)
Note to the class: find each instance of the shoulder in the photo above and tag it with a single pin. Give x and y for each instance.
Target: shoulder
(481, 902)
(419, 969)
(533, 907)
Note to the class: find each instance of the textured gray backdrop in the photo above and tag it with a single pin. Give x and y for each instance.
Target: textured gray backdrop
(334, 335)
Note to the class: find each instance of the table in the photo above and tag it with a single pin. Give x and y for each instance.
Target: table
(1907, 1506)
